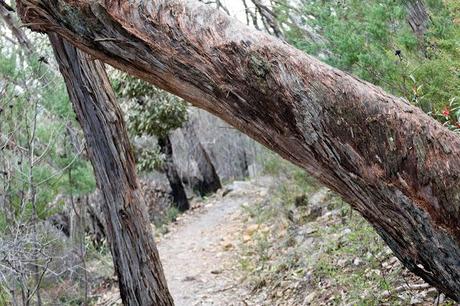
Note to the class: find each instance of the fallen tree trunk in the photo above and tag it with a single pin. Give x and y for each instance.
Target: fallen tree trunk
(394, 164)
(136, 260)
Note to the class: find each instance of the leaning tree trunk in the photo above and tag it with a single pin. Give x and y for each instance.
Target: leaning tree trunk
(129, 234)
(177, 188)
(394, 164)
(210, 181)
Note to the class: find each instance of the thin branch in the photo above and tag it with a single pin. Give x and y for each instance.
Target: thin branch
(6, 6)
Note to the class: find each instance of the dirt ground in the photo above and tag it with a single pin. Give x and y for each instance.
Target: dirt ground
(199, 253)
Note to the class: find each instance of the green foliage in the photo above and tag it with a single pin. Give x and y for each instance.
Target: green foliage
(450, 115)
(170, 216)
(338, 258)
(150, 159)
(151, 111)
(273, 165)
(156, 116)
(81, 180)
(35, 113)
(56, 100)
(37, 163)
(4, 295)
(365, 38)
(8, 65)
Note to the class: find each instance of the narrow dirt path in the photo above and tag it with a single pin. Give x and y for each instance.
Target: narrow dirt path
(199, 255)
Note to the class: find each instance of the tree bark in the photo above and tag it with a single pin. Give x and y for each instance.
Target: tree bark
(135, 256)
(393, 163)
(178, 191)
(210, 181)
(417, 17)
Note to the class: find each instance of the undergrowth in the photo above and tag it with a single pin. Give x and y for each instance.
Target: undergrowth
(170, 216)
(305, 246)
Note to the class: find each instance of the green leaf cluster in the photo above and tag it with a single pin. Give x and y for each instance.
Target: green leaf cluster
(373, 40)
(150, 159)
(150, 111)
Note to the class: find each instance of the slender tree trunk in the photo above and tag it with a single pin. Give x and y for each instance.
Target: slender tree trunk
(393, 163)
(32, 199)
(21, 37)
(210, 181)
(77, 236)
(243, 161)
(178, 191)
(135, 256)
(82, 253)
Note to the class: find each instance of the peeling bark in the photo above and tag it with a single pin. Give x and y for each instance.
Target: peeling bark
(136, 260)
(394, 164)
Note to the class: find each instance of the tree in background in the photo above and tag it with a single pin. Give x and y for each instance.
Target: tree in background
(35, 156)
(153, 112)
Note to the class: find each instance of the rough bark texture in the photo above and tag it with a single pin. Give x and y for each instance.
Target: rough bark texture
(417, 17)
(209, 181)
(177, 188)
(394, 164)
(135, 256)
